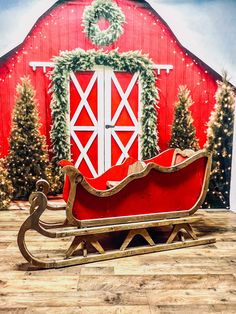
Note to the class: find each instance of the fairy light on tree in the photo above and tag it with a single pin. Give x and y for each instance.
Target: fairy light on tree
(28, 160)
(219, 143)
(183, 132)
(6, 188)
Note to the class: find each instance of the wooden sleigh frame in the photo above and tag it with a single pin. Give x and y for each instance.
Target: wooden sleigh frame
(89, 234)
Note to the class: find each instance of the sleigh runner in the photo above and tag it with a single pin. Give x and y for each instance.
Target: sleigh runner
(134, 198)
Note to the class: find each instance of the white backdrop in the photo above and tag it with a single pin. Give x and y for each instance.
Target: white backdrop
(233, 174)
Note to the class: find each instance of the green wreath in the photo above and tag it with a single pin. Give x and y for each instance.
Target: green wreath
(108, 10)
(81, 60)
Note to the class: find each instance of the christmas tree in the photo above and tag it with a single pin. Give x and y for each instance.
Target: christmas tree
(219, 143)
(6, 188)
(28, 160)
(183, 132)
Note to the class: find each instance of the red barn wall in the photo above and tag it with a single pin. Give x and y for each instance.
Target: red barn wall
(60, 29)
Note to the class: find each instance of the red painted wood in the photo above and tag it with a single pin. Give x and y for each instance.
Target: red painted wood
(84, 120)
(60, 29)
(124, 118)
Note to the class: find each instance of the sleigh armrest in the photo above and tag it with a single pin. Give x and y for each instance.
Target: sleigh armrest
(136, 167)
(181, 155)
(43, 186)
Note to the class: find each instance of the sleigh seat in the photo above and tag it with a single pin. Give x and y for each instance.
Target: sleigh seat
(172, 184)
(133, 197)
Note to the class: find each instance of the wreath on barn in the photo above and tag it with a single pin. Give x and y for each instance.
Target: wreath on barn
(108, 10)
(81, 60)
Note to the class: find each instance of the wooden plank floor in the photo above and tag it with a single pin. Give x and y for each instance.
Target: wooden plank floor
(192, 280)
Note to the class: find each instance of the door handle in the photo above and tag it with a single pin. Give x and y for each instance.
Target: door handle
(108, 126)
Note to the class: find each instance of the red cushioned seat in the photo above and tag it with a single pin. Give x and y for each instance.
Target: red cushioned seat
(170, 183)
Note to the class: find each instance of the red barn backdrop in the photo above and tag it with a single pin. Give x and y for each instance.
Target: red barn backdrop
(60, 29)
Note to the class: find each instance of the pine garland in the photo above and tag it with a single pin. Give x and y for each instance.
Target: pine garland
(108, 10)
(81, 60)
(183, 132)
(219, 143)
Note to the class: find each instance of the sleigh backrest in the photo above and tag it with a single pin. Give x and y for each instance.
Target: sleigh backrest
(115, 173)
(171, 157)
(163, 159)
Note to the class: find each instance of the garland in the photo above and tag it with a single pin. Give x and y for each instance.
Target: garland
(81, 60)
(109, 11)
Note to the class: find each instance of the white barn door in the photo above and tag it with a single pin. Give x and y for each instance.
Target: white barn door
(104, 119)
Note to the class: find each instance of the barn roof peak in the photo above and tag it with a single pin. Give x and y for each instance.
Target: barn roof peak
(146, 3)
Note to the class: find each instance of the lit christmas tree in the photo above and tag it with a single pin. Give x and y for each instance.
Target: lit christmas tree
(183, 132)
(219, 143)
(6, 188)
(28, 160)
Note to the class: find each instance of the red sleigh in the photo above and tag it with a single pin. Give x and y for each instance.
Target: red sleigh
(134, 198)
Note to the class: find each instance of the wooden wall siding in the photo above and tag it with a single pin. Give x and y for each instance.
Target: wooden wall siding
(60, 29)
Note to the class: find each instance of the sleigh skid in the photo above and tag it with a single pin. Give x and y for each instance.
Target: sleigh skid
(88, 244)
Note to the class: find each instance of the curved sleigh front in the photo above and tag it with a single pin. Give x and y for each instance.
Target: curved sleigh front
(172, 184)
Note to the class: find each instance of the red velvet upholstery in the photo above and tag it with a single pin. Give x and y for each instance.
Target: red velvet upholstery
(157, 192)
(163, 159)
(66, 188)
(115, 173)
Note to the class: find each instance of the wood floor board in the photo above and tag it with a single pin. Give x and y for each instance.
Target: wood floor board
(192, 280)
(96, 270)
(173, 270)
(155, 282)
(12, 310)
(35, 284)
(78, 298)
(116, 309)
(194, 309)
(191, 296)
